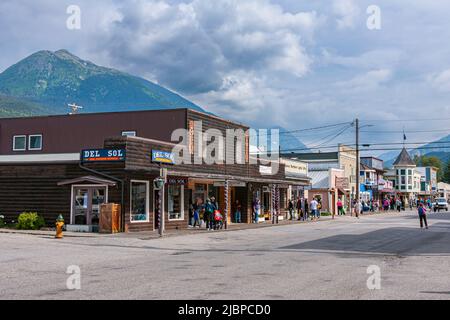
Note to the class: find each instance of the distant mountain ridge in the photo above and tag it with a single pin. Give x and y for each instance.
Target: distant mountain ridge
(46, 82)
(54, 79)
(438, 148)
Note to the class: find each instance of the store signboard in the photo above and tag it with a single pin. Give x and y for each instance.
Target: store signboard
(265, 170)
(103, 155)
(159, 156)
(177, 181)
(342, 183)
(295, 168)
(230, 184)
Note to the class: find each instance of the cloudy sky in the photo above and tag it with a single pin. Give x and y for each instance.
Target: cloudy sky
(292, 63)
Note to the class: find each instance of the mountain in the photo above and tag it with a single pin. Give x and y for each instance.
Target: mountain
(288, 141)
(15, 107)
(438, 148)
(55, 79)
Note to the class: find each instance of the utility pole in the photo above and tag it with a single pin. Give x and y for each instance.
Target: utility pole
(357, 168)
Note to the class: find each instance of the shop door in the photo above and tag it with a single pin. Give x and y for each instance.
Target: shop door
(86, 206)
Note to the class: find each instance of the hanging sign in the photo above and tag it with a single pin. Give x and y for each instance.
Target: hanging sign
(159, 156)
(102, 155)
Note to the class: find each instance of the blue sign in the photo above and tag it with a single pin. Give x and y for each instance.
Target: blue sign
(102, 155)
(159, 156)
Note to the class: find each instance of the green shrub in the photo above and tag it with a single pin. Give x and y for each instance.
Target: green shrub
(2, 221)
(325, 214)
(30, 221)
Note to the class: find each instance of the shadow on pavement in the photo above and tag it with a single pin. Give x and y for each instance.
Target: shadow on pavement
(395, 241)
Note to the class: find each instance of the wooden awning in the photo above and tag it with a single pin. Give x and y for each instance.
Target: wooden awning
(88, 179)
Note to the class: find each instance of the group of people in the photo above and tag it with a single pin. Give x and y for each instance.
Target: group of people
(209, 214)
(206, 213)
(373, 205)
(302, 209)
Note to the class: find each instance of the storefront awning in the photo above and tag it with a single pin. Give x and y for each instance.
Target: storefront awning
(88, 179)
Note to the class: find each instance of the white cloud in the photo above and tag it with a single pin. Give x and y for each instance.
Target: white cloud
(192, 47)
(347, 12)
(441, 80)
(263, 62)
(367, 81)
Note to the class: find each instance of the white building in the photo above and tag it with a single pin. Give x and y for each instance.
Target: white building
(406, 177)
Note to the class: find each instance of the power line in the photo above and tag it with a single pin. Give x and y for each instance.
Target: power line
(313, 128)
(409, 131)
(334, 137)
(403, 120)
(317, 128)
(418, 148)
(364, 144)
(397, 143)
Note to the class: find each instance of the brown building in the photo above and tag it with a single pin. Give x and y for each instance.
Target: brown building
(43, 169)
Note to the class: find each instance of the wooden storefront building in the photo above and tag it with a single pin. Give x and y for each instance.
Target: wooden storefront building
(43, 169)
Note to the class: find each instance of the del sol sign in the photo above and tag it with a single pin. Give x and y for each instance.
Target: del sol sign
(159, 156)
(102, 155)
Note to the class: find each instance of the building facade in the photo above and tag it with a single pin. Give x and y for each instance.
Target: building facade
(405, 177)
(333, 176)
(72, 164)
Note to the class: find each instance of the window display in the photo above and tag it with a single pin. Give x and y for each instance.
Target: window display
(175, 202)
(139, 201)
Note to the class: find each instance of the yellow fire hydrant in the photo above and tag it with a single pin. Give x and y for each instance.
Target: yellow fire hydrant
(59, 227)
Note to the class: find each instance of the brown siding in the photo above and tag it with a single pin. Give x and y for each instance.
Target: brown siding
(71, 134)
(34, 188)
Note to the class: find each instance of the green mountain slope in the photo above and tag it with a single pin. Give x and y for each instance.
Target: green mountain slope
(439, 148)
(55, 79)
(11, 107)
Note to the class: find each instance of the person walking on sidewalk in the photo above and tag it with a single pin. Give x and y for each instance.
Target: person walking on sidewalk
(256, 208)
(196, 208)
(209, 214)
(398, 203)
(340, 208)
(314, 208)
(299, 208)
(237, 212)
(306, 212)
(291, 210)
(422, 216)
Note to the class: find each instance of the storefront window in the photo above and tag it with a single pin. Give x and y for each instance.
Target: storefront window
(139, 201)
(199, 193)
(283, 198)
(175, 202)
(213, 191)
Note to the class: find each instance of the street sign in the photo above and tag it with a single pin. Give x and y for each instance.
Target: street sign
(102, 155)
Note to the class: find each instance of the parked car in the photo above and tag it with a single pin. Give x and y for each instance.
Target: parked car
(440, 204)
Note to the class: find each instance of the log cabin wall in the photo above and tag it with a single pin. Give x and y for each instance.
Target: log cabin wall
(34, 188)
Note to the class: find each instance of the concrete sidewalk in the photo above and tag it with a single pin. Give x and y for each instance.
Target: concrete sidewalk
(147, 235)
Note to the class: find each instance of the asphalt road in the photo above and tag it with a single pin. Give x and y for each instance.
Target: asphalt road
(325, 260)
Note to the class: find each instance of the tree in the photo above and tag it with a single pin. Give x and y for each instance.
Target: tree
(446, 173)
